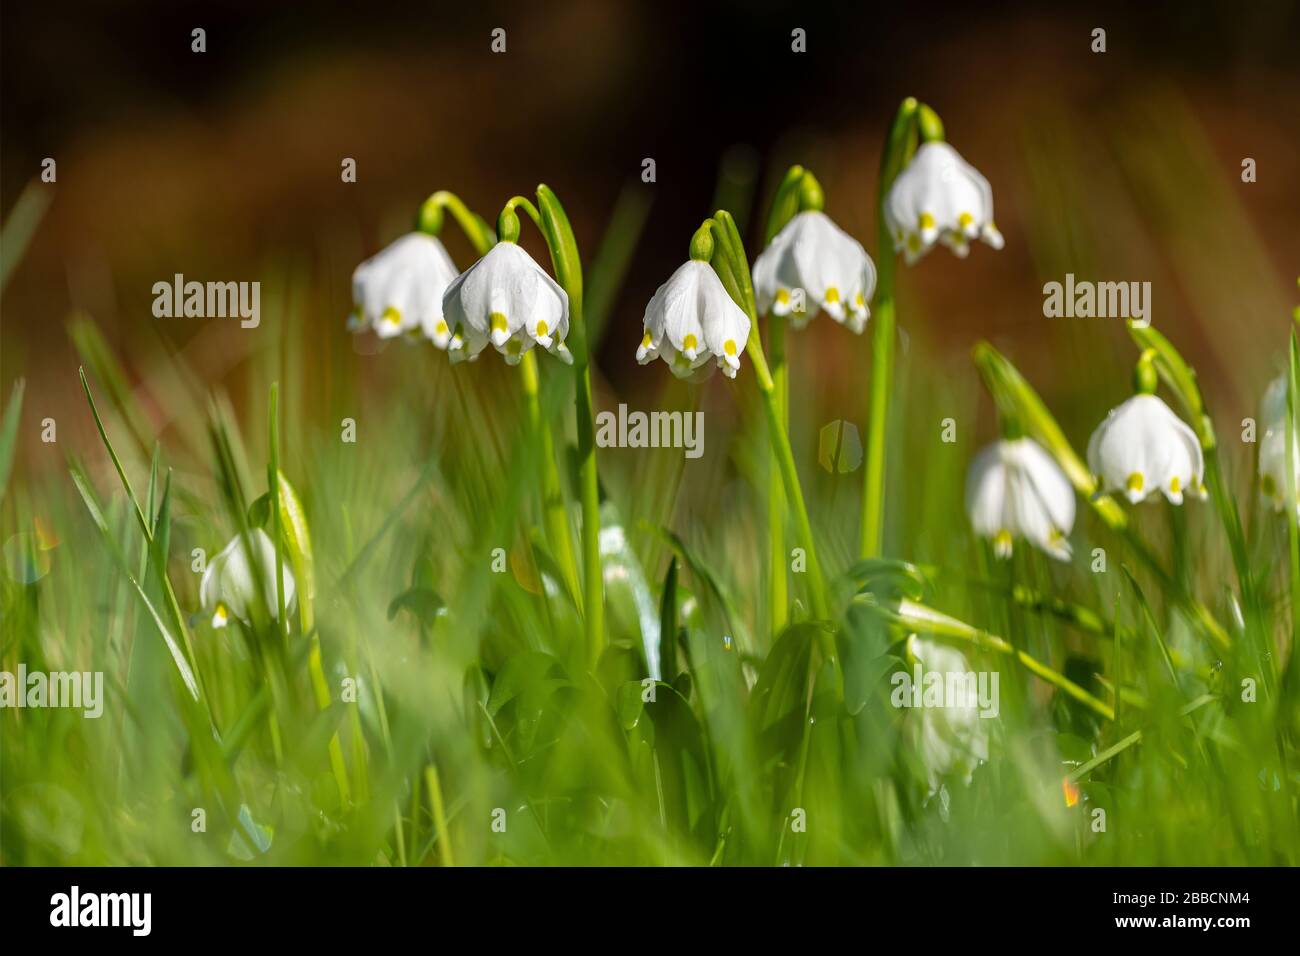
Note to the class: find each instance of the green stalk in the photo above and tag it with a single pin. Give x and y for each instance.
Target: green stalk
(430, 219)
(554, 515)
(735, 275)
(439, 815)
(778, 590)
(553, 223)
(898, 151)
(785, 205)
(925, 620)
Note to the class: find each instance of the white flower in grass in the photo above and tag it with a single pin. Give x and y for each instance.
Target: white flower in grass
(939, 197)
(228, 588)
(399, 289)
(508, 300)
(952, 739)
(1142, 448)
(1015, 489)
(1272, 446)
(690, 320)
(830, 266)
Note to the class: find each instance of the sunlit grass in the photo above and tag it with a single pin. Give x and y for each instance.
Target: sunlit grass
(453, 716)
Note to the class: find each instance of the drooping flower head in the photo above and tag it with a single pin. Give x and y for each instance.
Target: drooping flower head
(228, 588)
(1142, 448)
(939, 197)
(813, 255)
(508, 300)
(691, 319)
(399, 289)
(1015, 489)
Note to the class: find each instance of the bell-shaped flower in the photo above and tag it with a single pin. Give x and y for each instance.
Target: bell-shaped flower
(953, 739)
(1142, 448)
(813, 259)
(690, 320)
(228, 587)
(1015, 489)
(508, 300)
(399, 289)
(1272, 446)
(939, 197)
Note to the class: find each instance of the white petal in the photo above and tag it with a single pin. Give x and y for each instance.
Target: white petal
(940, 197)
(507, 299)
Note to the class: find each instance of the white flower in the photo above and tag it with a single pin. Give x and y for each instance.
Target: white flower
(952, 739)
(399, 289)
(1272, 446)
(692, 319)
(1015, 489)
(832, 269)
(228, 588)
(507, 299)
(1143, 447)
(939, 196)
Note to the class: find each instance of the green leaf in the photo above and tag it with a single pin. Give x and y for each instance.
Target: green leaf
(425, 603)
(259, 512)
(668, 623)
(97, 516)
(782, 687)
(297, 544)
(785, 204)
(890, 578)
(568, 266)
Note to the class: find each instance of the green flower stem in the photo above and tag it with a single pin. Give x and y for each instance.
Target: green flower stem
(734, 272)
(554, 515)
(925, 620)
(567, 263)
(898, 151)
(778, 584)
(882, 373)
(439, 814)
(430, 218)
(784, 206)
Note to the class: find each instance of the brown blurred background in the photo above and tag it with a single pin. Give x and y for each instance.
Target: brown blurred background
(1123, 165)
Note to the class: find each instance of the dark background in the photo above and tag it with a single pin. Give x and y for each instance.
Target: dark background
(214, 164)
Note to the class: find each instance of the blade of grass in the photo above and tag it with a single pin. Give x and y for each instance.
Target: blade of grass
(9, 434)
